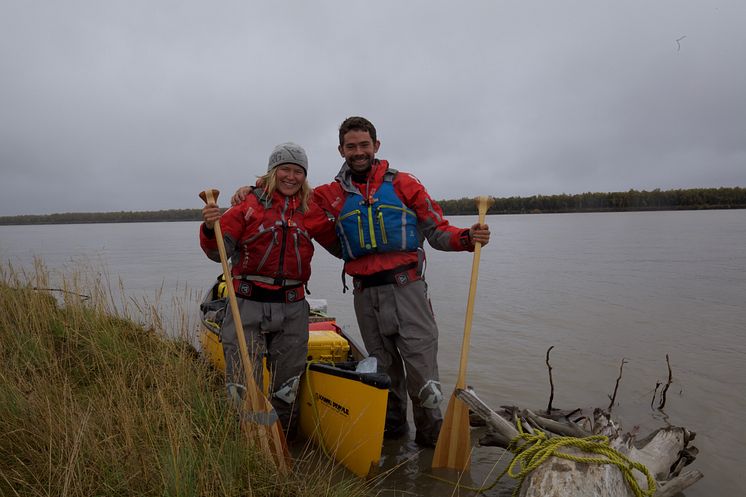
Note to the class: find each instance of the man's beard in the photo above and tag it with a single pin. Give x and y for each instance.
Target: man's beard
(360, 167)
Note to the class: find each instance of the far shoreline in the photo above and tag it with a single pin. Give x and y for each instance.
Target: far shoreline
(630, 201)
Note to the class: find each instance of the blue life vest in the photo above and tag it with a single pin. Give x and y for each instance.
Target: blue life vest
(383, 225)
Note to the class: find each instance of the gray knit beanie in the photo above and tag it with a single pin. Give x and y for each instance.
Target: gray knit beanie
(285, 153)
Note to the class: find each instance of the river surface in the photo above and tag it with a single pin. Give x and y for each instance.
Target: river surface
(600, 288)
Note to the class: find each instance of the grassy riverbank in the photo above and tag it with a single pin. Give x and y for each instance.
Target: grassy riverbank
(95, 404)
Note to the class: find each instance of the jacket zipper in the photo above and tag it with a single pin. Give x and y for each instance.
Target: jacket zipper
(284, 225)
(297, 254)
(382, 227)
(358, 213)
(269, 250)
(404, 212)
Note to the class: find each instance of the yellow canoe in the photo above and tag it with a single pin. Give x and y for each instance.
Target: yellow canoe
(342, 410)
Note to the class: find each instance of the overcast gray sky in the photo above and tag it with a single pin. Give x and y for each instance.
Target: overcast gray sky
(141, 104)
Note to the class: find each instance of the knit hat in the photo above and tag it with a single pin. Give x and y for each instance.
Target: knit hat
(285, 153)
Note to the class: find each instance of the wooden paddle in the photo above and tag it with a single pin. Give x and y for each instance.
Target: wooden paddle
(258, 418)
(453, 449)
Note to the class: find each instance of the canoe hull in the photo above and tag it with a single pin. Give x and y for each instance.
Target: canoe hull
(344, 412)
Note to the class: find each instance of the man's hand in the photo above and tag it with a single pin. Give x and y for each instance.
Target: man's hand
(241, 194)
(479, 233)
(210, 214)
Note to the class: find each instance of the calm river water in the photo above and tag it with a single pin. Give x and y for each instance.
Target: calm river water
(598, 287)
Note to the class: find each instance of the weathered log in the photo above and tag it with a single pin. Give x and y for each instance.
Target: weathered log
(676, 485)
(565, 429)
(664, 452)
(493, 420)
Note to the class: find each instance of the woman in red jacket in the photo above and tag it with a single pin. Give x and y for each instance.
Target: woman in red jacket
(268, 239)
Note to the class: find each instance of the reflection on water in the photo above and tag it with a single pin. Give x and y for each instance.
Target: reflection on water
(598, 287)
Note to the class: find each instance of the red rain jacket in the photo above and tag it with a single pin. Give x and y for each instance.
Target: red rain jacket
(272, 241)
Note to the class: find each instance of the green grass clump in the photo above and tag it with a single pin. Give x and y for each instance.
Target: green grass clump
(94, 404)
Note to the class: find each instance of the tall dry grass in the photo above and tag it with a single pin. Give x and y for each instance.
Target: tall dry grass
(94, 404)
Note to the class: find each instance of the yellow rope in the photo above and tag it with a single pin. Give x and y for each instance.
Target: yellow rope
(531, 450)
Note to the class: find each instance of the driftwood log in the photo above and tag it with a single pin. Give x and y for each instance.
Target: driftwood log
(664, 452)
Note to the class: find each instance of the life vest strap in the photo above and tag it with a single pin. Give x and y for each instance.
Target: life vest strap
(401, 276)
(288, 294)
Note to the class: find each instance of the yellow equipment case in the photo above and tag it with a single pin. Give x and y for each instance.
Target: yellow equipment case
(326, 345)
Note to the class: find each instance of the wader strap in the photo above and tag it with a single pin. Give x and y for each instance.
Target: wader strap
(402, 275)
(248, 290)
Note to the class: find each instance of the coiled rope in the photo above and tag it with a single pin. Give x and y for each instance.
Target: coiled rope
(532, 449)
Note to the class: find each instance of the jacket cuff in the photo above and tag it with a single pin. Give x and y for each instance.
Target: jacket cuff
(465, 240)
(209, 233)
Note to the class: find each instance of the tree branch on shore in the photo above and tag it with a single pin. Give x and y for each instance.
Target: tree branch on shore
(612, 397)
(551, 381)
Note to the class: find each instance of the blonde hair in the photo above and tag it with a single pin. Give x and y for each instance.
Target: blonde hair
(269, 183)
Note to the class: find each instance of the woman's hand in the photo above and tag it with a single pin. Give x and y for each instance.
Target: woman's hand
(210, 214)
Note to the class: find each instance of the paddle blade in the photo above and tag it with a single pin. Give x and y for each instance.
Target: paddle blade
(280, 452)
(453, 449)
(271, 441)
(260, 423)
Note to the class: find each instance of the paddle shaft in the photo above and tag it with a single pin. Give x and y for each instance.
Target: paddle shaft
(482, 204)
(276, 448)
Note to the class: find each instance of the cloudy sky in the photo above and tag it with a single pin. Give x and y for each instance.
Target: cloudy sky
(140, 104)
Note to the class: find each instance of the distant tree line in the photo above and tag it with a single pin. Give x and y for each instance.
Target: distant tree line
(106, 217)
(632, 200)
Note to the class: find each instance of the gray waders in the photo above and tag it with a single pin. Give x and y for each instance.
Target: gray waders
(398, 328)
(279, 331)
